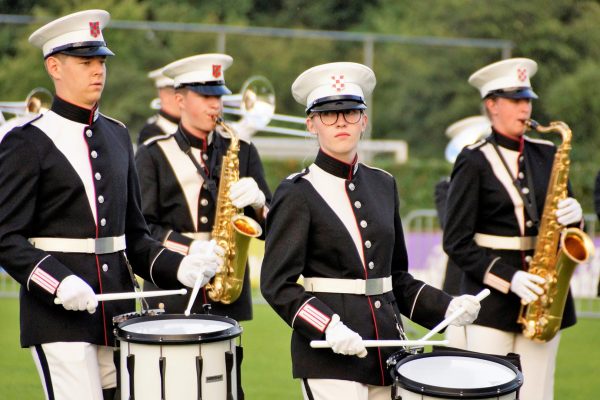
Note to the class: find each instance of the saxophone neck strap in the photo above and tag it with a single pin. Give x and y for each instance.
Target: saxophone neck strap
(186, 147)
(529, 203)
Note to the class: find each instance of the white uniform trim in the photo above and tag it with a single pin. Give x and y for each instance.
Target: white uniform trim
(332, 189)
(68, 137)
(111, 119)
(495, 281)
(152, 266)
(185, 172)
(539, 141)
(503, 176)
(412, 309)
(153, 139)
(165, 125)
(377, 169)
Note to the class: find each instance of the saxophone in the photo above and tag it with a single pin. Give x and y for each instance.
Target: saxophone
(542, 318)
(232, 230)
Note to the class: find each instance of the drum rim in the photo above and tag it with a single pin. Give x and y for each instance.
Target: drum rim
(457, 393)
(184, 338)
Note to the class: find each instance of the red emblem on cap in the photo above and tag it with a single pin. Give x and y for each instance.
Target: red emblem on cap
(338, 83)
(95, 29)
(522, 74)
(216, 70)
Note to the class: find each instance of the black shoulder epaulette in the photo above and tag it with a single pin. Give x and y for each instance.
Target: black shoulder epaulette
(376, 169)
(31, 120)
(157, 138)
(296, 176)
(477, 145)
(116, 121)
(221, 132)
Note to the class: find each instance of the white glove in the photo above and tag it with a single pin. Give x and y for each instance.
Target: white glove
(568, 211)
(525, 285)
(74, 294)
(471, 306)
(245, 192)
(202, 265)
(202, 246)
(344, 340)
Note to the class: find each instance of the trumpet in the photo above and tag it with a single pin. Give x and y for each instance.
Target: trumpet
(36, 102)
(256, 105)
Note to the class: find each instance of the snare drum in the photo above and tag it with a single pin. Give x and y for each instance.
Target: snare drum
(172, 356)
(452, 375)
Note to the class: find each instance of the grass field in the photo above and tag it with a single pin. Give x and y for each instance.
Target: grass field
(266, 369)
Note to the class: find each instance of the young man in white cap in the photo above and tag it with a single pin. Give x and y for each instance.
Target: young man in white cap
(180, 174)
(70, 220)
(166, 120)
(337, 224)
(495, 201)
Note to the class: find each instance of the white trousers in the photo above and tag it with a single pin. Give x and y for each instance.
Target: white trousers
(456, 337)
(538, 360)
(74, 370)
(335, 389)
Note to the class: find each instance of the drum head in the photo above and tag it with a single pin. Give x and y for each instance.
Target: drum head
(178, 329)
(454, 375)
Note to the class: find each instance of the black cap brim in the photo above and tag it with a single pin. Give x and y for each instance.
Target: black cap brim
(209, 90)
(86, 51)
(337, 106)
(520, 93)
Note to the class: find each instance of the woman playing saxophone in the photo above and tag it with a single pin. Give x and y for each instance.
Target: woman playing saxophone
(494, 211)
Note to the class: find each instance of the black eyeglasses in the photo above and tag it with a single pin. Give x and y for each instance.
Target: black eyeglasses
(331, 117)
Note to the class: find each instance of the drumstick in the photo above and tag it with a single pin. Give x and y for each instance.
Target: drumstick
(132, 295)
(480, 296)
(196, 288)
(322, 344)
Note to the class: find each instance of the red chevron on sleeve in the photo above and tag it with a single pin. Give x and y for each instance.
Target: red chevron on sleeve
(314, 317)
(45, 280)
(177, 247)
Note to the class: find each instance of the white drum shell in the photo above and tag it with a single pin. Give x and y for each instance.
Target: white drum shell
(407, 395)
(180, 367)
(423, 376)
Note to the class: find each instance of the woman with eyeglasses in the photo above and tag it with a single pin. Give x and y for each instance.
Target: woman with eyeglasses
(337, 225)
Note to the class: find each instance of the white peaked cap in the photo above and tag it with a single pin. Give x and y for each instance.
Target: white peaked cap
(334, 86)
(160, 80)
(79, 34)
(506, 78)
(204, 73)
(465, 132)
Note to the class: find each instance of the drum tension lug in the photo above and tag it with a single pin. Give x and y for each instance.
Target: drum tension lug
(395, 386)
(206, 307)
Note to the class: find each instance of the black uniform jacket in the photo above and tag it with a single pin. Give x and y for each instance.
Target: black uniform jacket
(157, 125)
(175, 200)
(597, 195)
(336, 220)
(71, 174)
(483, 199)
(453, 274)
